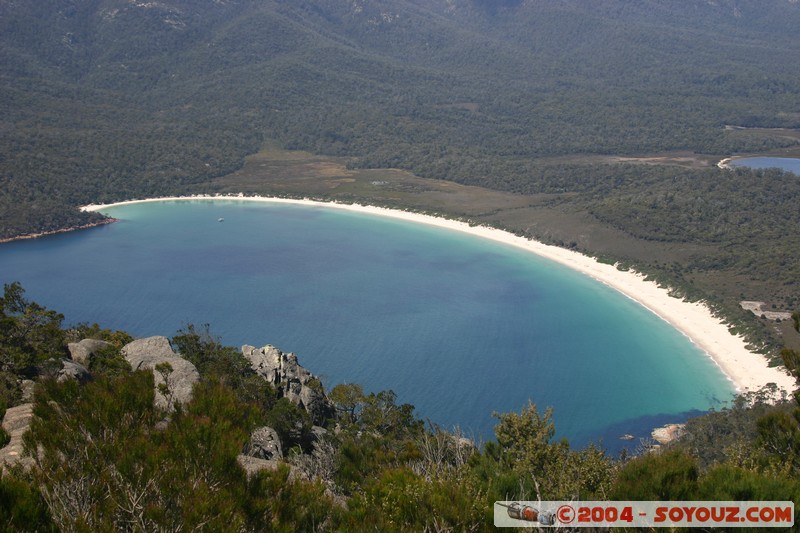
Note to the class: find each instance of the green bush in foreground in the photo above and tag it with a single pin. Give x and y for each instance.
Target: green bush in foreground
(106, 464)
(21, 506)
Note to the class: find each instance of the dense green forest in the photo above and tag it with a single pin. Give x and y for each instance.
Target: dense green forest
(104, 100)
(101, 456)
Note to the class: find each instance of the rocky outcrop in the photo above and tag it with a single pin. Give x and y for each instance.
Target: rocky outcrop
(181, 375)
(83, 351)
(72, 370)
(668, 433)
(147, 349)
(16, 421)
(253, 465)
(27, 387)
(264, 444)
(318, 433)
(291, 380)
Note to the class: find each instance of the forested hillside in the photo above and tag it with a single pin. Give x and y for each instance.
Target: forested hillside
(113, 98)
(105, 100)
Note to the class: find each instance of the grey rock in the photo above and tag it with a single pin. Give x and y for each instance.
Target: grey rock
(16, 421)
(316, 403)
(253, 465)
(318, 433)
(83, 351)
(72, 370)
(266, 362)
(27, 386)
(668, 433)
(264, 444)
(147, 350)
(148, 353)
(291, 380)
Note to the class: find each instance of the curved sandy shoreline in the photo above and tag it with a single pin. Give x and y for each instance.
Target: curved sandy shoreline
(747, 370)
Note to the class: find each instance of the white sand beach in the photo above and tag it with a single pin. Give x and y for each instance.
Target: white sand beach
(747, 370)
(725, 164)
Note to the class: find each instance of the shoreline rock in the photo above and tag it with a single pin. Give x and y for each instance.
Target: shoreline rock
(668, 433)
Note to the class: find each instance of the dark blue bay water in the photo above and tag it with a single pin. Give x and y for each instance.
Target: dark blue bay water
(456, 325)
(786, 163)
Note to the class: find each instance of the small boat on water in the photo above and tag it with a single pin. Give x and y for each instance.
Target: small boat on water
(220, 219)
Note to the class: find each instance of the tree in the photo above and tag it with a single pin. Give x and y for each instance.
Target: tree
(29, 333)
(550, 470)
(525, 437)
(292, 424)
(349, 401)
(382, 415)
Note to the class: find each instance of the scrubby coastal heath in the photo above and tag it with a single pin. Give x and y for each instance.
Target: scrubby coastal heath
(749, 371)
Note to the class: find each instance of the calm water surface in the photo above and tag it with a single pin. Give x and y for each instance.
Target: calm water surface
(786, 163)
(456, 325)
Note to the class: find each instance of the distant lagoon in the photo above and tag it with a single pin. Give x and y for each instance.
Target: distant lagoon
(456, 325)
(785, 163)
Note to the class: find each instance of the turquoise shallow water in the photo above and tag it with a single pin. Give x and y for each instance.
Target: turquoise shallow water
(457, 325)
(786, 163)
